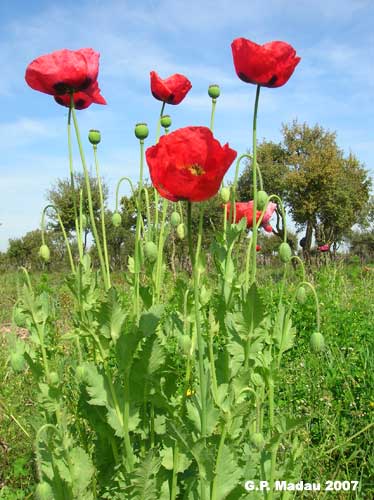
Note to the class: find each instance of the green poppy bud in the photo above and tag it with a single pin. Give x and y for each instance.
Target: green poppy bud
(225, 194)
(185, 344)
(258, 440)
(165, 121)
(262, 196)
(181, 231)
(175, 219)
(44, 492)
(284, 252)
(214, 91)
(54, 379)
(80, 372)
(141, 131)
(150, 251)
(17, 361)
(301, 295)
(44, 253)
(94, 137)
(116, 219)
(317, 342)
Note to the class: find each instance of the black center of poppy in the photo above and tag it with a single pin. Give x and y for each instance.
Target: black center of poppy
(79, 103)
(61, 88)
(85, 84)
(59, 100)
(243, 77)
(170, 99)
(272, 80)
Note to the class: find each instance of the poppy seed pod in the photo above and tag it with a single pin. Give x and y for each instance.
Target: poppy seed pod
(317, 342)
(17, 361)
(261, 199)
(150, 251)
(257, 439)
(225, 194)
(301, 295)
(141, 131)
(44, 253)
(94, 136)
(181, 231)
(214, 91)
(54, 379)
(44, 491)
(116, 219)
(175, 219)
(284, 252)
(165, 121)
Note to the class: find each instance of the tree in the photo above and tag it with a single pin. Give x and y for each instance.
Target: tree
(324, 190)
(62, 197)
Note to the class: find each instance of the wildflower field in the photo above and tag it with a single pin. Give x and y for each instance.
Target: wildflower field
(198, 370)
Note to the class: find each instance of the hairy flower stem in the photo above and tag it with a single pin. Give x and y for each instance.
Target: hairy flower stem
(103, 230)
(214, 103)
(200, 341)
(42, 225)
(89, 196)
(254, 172)
(70, 148)
(160, 250)
(173, 494)
(218, 460)
(158, 132)
(137, 233)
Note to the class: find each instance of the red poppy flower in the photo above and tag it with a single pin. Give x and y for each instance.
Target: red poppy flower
(324, 248)
(258, 248)
(65, 71)
(268, 65)
(172, 90)
(189, 164)
(245, 209)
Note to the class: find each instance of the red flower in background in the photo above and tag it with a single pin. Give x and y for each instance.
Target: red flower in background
(268, 65)
(258, 248)
(245, 209)
(172, 90)
(67, 71)
(324, 248)
(189, 164)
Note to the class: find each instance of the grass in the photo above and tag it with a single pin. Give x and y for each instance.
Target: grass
(334, 391)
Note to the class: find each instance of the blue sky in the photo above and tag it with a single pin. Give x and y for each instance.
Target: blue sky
(333, 85)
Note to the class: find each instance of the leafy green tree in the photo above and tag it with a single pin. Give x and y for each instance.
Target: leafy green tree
(324, 191)
(62, 197)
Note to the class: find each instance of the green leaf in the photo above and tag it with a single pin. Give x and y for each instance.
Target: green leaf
(228, 474)
(253, 308)
(149, 320)
(126, 347)
(167, 459)
(96, 385)
(283, 331)
(144, 480)
(82, 471)
(111, 316)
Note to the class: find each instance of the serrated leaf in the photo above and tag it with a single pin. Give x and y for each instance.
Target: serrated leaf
(283, 331)
(253, 308)
(149, 320)
(96, 386)
(228, 473)
(167, 455)
(82, 471)
(144, 481)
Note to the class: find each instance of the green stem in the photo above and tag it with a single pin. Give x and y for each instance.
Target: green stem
(12, 417)
(89, 195)
(137, 233)
(200, 341)
(214, 102)
(158, 132)
(254, 172)
(102, 215)
(42, 225)
(160, 249)
(173, 494)
(218, 460)
(71, 169)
